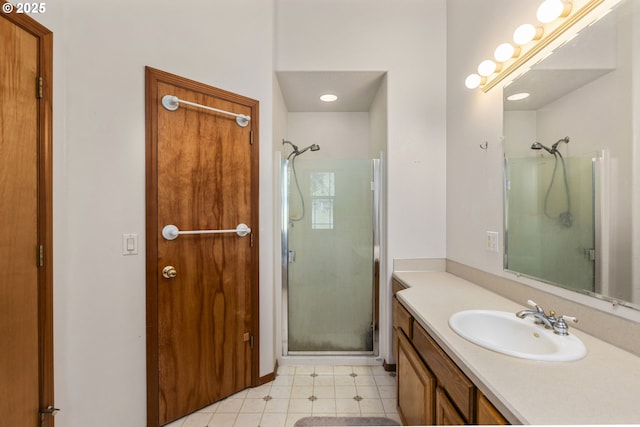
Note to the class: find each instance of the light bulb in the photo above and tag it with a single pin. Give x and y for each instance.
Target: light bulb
(473, 81)
(486, 68)
(550, 10)
(504, 52)
(526, 33)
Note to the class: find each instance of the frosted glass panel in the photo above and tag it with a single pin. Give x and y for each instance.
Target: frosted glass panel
(330, 273)
(549, 235)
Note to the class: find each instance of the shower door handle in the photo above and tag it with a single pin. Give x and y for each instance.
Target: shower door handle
(291, 256)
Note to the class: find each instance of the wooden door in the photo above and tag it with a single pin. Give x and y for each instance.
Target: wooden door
(202, 174)
(26, 330)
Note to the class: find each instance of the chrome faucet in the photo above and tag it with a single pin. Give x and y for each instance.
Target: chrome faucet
(550, 321)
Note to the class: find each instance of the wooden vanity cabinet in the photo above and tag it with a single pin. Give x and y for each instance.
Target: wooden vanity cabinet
(451, 379)
(432, 390)
(416, 386)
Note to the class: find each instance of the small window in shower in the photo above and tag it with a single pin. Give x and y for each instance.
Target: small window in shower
(322, 194)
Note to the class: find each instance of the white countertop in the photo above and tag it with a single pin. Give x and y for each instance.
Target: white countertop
(601, 388)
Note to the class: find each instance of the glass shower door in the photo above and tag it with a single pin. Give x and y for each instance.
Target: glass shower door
(539, 242)
(329, 291)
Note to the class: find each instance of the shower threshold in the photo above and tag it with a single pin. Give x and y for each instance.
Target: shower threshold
(331, 353)
(330, 359)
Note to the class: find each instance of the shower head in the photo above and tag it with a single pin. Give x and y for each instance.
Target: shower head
(296, 151)
(538, 146)
(554, 148)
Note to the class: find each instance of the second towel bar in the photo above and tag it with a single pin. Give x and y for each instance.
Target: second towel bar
(171, 232)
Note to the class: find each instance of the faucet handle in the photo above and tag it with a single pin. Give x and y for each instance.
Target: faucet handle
(570, 318)
(560, 326)
(532, 303)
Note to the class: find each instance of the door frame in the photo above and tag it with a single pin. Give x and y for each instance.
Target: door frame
(45, 204)
(152, 103)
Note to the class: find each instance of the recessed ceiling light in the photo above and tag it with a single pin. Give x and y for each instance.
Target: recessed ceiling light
(518, 96)
(328, 97)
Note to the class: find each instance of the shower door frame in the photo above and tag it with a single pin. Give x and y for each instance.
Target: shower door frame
(376, 187)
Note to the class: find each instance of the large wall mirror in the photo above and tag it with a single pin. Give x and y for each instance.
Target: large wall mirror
(572, 163)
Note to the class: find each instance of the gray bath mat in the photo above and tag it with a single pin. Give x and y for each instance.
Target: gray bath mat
(344, 421)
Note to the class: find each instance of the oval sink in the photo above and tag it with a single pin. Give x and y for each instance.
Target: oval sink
(505, 333)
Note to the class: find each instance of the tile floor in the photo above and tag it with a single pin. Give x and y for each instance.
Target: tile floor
(302, 391)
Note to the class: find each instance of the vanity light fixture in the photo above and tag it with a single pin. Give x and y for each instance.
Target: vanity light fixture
(556, 20)
(328, 97)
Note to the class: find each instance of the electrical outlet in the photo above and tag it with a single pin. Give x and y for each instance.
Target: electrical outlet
(493, 238)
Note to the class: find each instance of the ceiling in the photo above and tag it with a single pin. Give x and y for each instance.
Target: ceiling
(356, 90)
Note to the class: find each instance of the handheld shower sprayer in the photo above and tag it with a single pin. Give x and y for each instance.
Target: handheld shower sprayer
(554, 148)
(296, 151)
(565, 218)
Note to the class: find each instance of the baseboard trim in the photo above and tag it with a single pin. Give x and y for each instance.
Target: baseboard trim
(269, 377)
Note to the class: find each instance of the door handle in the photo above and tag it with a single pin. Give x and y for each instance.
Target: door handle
(169, 272)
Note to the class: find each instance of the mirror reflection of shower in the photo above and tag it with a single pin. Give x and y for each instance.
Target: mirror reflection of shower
(294, 154)
(565, 218)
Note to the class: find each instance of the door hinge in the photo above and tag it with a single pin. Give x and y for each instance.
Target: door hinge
(39, 85)
(40, 256)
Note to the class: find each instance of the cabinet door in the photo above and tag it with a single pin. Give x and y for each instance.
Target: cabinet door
(487, 413)
(416, 386)
(446, 413)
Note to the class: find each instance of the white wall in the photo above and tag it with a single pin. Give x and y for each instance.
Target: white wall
(100, 50)
(339, 135)
(474, 176)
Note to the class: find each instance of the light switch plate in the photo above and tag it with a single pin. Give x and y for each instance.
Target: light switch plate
(129, 244)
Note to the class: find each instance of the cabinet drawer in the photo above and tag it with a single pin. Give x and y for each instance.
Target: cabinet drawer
(402, 319)
(459, 388)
